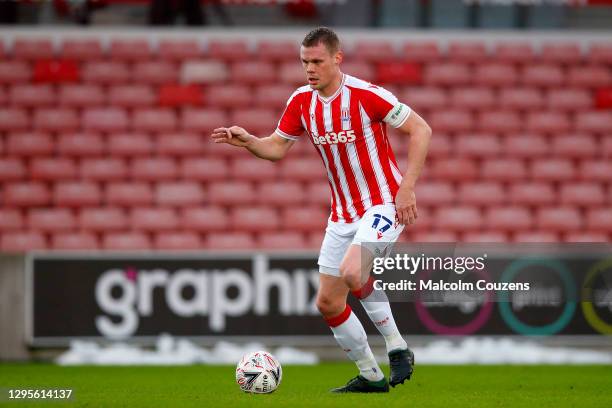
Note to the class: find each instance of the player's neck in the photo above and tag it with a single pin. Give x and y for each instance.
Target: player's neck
(333, 86)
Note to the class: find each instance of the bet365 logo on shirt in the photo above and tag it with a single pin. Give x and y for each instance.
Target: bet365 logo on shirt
(344, 136)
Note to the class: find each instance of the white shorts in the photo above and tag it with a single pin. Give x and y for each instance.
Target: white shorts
(377, 227)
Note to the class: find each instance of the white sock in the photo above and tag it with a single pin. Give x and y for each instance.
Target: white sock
(351, 336)
(376, 304)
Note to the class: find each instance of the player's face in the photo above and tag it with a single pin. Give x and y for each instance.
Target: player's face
(321, 66)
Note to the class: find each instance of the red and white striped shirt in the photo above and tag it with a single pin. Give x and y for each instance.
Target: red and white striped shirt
(348, 129)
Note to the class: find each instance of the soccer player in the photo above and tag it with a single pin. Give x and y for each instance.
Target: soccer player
(345, 118)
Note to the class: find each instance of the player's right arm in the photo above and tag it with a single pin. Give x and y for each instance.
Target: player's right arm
(273, 147)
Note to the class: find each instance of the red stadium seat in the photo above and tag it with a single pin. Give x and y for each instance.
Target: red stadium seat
(180, 95)
(14, 72)
(231, 193)
(318, 193)
(434, 236)
(543, 75)
(575, 145)
(82, 49)
(31, 96)
(558, 219)
(177, 241)
(478, 145)
(137, 49)
(22, 241)
(204, 219)
(525, 145)
(508, 218)
(10, 219)
(26, 194)
(582, 194)
(425, 98)
(77, 194)
(32, 48)
(590, 76)
(154, 120)
(204, 169)
(281, 240)
(482, 193)
(452, 120)
(485, 237)
(314, 240)
(204, 72)
(454, 169)
(435, 193)
(231, 96)
(552, 170)
(179, 194)
(179, 50)
(3, 96)
(13, 119)
(51, 219)
(474, 52)
(595, 170)
(586, 236)
(569, 99)
(257, 121)
(56, 119)
(599, 219)
(606, 147)
(253, 72)
(603, 98)
(106, 72)
(232, 50)
(502, 121)
(373, 50)
(12, 168)
(400, 73)
(203, 120)
(280, 193)
(153, 169)
(479, 98)
(513, 52)
(421, 51)
(126, 241)
(561, 53)
(29, 144)
(181, 144)
(56, 71)
(495, 74)
(105, 119)
(155, 73)
(302, 169)
(447, 74)
(440, 146)
(253, 169)
(254, 219)
(102, 219)
(273, 96)
(536, 236)
(80, 144)
(503, 169)
(74, 241)
(277, 50)
(81, 96)
(459, 218)
(103, 169)
(292, 73)
(133, 193)
(131, 96)
(548, 122)
(237, 241)
(52, 168)
(521, 98)
(601, 53)
(532, 193)
(153, 219)
(307, 219)
(594, 121)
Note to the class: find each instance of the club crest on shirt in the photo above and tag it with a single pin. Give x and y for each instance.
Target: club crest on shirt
(345, 115)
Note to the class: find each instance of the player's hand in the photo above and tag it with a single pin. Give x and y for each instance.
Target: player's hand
(235, 135)
(405, 205)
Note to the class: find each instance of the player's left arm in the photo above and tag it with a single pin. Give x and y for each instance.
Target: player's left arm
(420, 133)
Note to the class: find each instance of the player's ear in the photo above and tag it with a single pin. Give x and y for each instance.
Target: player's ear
(339, 56)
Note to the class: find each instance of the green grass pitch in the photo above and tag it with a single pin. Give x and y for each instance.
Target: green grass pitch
(307, 386)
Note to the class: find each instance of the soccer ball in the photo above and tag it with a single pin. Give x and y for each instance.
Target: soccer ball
(258, 372)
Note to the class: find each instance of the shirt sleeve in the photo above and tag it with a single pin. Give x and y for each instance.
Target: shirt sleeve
(290, 124)
(383, 106)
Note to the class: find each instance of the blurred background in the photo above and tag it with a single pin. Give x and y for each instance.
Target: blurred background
(104, 148)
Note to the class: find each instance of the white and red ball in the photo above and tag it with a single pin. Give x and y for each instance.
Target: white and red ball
(258, 372)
